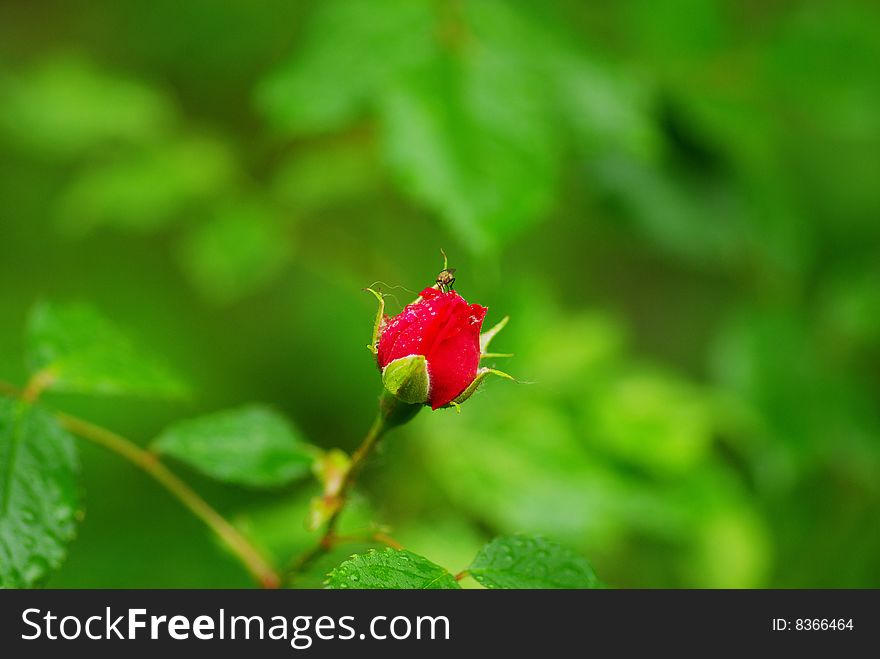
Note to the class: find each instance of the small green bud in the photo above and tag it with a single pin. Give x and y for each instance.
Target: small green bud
(321, 509)
(330, 470)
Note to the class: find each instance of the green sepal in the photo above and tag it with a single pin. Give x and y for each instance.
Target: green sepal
(473, 386)
(487, 336)
(407, 378)
(379, 322)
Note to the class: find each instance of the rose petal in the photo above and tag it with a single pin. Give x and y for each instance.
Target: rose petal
(405, 334)
(453, 361)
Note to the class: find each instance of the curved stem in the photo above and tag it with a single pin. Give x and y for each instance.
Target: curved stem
(148, 462)
(35, 386)
(375, 433)
(392, 413)
(329, 538)
(252, 560)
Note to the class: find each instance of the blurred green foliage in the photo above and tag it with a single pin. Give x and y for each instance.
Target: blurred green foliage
(677, 202)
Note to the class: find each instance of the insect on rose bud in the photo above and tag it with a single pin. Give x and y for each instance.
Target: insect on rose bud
(430, 352)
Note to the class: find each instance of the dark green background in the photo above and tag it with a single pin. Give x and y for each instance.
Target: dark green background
(677, 202)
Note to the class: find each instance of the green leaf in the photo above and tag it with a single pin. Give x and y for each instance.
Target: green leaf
(328, 176)
(446, 147)
(146, 188)
(390, 569)
(351, 50)
(66, 106)
(251, 445)
(38, 494)
(79, 351)
(475, 101)
(241, 249)
(654, 420)
(671, 211)
(522, 561)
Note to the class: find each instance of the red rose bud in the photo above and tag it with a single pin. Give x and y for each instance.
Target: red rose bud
(430, 352)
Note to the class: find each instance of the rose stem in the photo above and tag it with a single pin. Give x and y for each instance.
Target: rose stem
(246, 553)
(392, 413)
